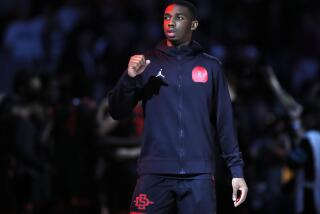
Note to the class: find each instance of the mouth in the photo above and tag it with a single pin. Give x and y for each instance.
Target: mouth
(171, 33)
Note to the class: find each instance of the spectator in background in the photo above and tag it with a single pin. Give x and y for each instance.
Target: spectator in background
(32, 144)
(74, 156)
(119, 147)
(22, 39)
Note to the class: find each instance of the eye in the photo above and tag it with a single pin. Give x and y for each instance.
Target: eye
(180, 18)
(166, 17)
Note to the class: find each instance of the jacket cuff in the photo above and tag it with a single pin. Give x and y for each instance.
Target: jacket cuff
(131, 82)
(237, 171)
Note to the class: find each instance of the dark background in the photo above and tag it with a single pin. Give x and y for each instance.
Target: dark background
(62, 153)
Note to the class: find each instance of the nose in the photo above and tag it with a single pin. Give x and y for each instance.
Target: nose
(171, 23)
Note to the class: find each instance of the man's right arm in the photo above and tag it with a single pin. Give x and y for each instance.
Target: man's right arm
(127, 92)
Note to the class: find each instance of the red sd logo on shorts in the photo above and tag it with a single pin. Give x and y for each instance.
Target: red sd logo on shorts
(142, 201)
(199, 74)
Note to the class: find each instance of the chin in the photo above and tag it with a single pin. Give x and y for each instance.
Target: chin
(173, 39)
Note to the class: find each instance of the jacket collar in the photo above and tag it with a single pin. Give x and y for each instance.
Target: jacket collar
(188, 50)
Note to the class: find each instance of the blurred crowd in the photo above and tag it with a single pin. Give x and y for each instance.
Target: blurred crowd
(61, 152)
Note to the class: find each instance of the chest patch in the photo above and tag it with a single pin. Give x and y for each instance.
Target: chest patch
(199, 74)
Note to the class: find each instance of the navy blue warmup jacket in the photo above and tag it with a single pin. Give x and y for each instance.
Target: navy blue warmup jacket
(187, 110)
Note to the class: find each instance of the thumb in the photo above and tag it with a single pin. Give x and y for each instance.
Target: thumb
(142, 68)
(145, 65)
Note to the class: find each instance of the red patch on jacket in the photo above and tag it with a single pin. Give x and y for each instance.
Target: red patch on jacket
(199, 74)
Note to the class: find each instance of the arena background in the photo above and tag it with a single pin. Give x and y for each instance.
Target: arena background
(62, 153)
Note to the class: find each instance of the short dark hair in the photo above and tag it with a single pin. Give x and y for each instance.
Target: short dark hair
(192, 8)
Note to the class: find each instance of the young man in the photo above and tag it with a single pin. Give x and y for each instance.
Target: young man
(187, 110)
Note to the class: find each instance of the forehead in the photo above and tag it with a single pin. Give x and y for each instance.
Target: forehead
(177, 9)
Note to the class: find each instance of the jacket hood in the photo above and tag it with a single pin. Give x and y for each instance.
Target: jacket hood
(187, 50)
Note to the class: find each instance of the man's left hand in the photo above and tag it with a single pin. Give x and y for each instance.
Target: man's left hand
(239, 184)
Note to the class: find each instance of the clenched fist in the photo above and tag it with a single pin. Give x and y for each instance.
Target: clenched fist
(137, 64)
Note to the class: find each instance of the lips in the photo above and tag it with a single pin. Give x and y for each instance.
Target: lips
(171, 33)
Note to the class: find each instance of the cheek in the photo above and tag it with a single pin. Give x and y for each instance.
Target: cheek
(182, 27)
(186, 28)
(165, 25)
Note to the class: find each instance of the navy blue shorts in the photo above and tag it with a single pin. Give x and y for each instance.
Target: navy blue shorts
(159, 194)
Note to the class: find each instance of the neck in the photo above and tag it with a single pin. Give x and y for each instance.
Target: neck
(177, 44)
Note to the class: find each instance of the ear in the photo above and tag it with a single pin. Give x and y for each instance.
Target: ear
(194, 25)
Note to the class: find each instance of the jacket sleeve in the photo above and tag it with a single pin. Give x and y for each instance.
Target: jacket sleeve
(223, 118)
(124, 96)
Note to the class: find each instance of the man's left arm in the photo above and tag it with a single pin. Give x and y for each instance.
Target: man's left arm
(227, 137)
